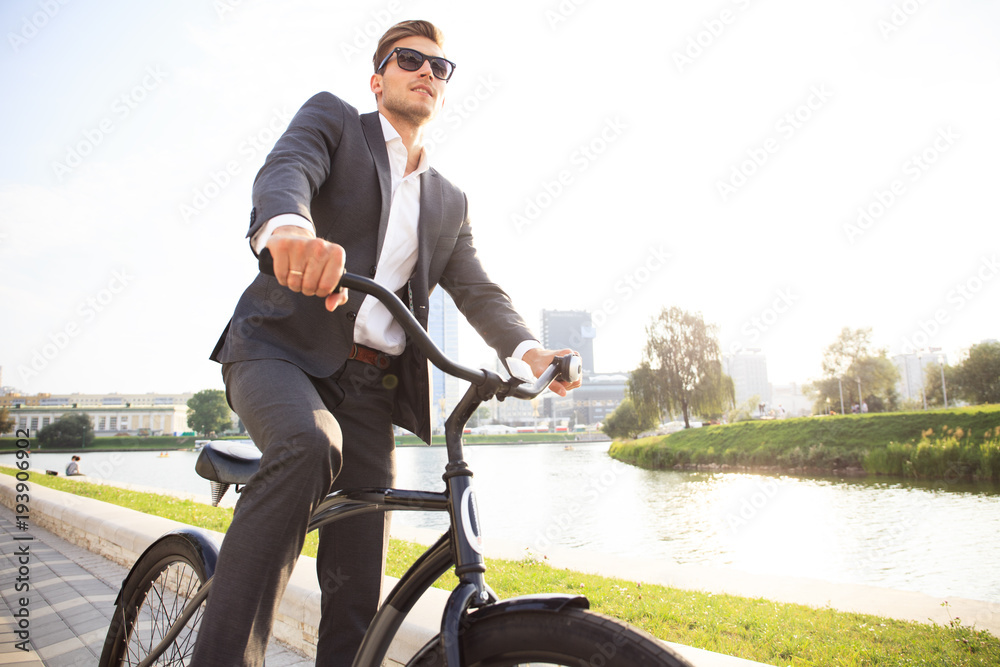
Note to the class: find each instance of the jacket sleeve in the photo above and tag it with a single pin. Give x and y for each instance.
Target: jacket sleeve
(299, 163)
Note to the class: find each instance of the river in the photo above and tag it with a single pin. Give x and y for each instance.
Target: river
(938, 538)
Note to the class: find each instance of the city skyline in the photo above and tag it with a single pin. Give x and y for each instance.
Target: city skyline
(686, 161)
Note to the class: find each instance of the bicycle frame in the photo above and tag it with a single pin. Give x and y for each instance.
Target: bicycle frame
(461, 546)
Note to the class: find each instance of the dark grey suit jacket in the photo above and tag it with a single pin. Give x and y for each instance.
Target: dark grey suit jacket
(331, 167)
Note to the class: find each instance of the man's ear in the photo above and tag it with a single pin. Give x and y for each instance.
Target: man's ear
(376, 84)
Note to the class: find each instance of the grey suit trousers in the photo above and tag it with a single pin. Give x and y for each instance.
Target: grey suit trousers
(316, 435)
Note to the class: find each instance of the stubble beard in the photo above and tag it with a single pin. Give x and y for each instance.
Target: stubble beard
(415, 114)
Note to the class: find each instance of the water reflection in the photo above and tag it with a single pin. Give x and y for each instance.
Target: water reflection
(938, 538)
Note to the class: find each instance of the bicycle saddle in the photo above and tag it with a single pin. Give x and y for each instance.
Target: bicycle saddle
(223, 463)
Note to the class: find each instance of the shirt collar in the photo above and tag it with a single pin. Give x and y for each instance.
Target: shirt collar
(391, 135)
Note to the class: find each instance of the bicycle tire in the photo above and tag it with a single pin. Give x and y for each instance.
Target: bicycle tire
(570, 637)
(152, 597)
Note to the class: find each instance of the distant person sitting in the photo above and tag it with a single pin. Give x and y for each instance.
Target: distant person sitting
(74, 467)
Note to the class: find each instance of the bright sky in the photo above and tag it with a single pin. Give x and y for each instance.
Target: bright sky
(619, 157)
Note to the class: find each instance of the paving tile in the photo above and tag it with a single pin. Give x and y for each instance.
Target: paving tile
(59, 648)
(43, 639)
(72, 603)
(80, 657)
(96, 622)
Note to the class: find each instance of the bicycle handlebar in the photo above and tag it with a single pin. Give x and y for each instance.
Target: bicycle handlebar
(568, 367)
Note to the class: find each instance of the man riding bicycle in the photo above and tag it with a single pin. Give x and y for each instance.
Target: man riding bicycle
(319, 377)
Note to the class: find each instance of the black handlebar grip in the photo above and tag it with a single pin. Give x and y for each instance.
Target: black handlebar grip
(265, 263)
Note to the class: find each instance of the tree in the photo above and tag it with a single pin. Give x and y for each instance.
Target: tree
(6, 421)
(208, 411)
(743, 412)
(933, 392)
(626, 421)
(844, 352)
(73, 430)
(865, 375)
(979, 374)
(681, 370)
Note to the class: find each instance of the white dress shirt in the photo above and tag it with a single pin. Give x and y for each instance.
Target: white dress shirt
(375, 326)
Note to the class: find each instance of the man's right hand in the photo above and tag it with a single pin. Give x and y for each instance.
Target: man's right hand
(306, 264)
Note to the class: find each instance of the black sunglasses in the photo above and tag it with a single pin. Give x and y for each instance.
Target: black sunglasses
(411, 60)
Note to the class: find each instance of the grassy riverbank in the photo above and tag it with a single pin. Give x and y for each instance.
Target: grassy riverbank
(751, 628)
(939, 444)
(110, 444)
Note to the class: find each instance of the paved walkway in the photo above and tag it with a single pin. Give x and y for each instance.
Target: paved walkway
(70, 601)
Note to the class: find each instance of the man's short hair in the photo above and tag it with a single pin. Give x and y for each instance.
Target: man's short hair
(403, 30)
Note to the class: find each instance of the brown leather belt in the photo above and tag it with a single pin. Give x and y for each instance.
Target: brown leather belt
(367, 355)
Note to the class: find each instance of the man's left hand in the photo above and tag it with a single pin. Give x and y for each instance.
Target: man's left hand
(539, 359)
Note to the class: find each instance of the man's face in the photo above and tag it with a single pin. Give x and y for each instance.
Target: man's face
(413, 97)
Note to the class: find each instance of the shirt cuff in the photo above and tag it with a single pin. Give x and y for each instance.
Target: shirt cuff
(259, 239)
(523, 348)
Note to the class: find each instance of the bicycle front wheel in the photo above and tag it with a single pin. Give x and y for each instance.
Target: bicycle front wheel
(157, 591)
(570, 637)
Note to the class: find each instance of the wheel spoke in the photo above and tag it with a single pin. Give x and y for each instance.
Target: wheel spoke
(164, 601)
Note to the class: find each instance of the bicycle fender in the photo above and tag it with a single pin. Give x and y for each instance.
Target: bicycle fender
(554, 602)
(203, 545)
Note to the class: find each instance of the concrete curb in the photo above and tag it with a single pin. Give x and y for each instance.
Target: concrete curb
(121, 535)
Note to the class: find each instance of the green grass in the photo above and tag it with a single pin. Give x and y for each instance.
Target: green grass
(751, 628)
(959, 443)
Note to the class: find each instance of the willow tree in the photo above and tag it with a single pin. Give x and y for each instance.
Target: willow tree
(681, 369)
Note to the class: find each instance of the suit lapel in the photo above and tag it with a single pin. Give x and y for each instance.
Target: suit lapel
(376, 144)
(428, 230)
(429, 225)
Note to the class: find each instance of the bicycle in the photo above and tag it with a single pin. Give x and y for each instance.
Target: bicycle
(159, 606)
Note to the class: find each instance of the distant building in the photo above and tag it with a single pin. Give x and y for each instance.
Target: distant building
(913, 372)
(110, 414)
(571, 329)
(442, 326)
(748, 370)
(595, 399)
